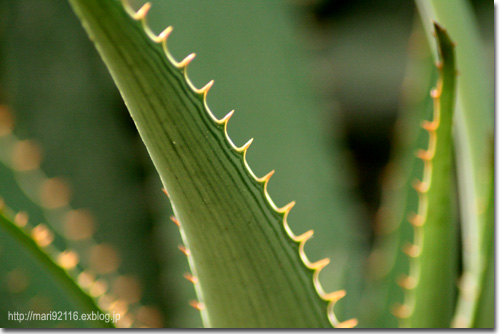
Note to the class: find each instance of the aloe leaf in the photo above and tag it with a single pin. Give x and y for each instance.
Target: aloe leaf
(473, 130)
(387, 263)
(25, 263)
(430, 288)
(251, 67)
(250, 269)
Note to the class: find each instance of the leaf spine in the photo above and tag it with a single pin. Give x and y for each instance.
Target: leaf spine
(191, 278)
(424, 155)
(186, 61)
(411, 250)
(204, 90)
(197, 305)
(401, 311)
(265, 179)
(348, 323)
(416, 219)
(243, 149)
(184, 250)
(142, 12)
(176, 222)
(226, 119)
(407, 282)
(421, 186)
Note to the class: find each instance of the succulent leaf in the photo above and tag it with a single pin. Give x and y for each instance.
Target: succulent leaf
(432, 250)
(250, 269)
(387, 262)
(473, 129)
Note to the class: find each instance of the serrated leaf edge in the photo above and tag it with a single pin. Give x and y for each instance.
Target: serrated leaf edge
(331, 298)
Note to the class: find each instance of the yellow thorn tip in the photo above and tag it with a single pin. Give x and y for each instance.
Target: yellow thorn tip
(143, 11)
(420, 186)
(165, 33)
(184, 250)
(176, 222)
(190, 278)
(435, 93)
(424, 155)
(320, 264)
(415, 219)
(207, 87)
(305, 236)
(335, 296)
(348, 323)
(411, 250)
(245, 147)
(196, 305)
(227, 117)
(185, 62)
(287, 208)
(429, 126)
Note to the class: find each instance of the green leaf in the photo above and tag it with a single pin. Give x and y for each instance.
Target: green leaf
(260, 70)
(430, 283)
(473, 129)
(387, 263)
(24, 263)
(251, 270)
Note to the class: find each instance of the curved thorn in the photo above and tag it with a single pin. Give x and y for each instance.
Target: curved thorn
(245, 147)
(348, 323)
(165, 192)
(420, 186)
(425, 155)
(162, 37)
(435, 93)
(226, 118)
(401, 311)
(204, 90)
(407, 282)
(416, 219)
(176, 222)
(196, 305)
(265, 179)
(191, 278)
(142, 12)
(184, 250)
(302, 242)
(287, 207)
(185, 62)
(319, 265)
(305, 236)
(411, 250)
(335, 296)
(429, 126)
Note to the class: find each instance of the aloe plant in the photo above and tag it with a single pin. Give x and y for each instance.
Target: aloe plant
(249, 268)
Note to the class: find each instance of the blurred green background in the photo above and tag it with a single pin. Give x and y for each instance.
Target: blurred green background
(317, 83)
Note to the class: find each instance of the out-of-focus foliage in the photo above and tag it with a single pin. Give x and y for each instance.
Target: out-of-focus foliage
(317, 84)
